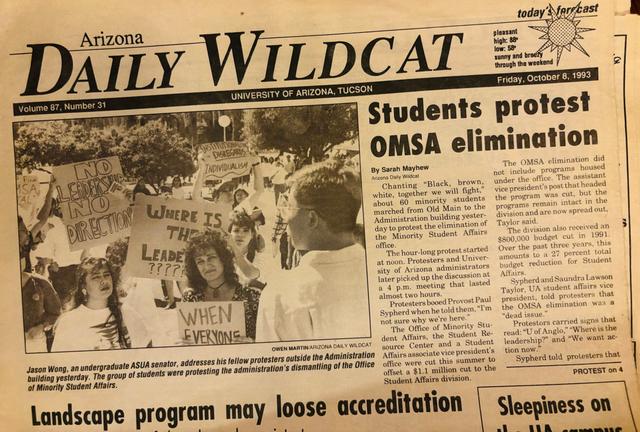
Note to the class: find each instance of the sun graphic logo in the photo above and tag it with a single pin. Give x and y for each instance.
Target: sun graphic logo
(562, 32)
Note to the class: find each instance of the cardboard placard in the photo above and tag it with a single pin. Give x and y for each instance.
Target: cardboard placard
(211, 323)
(91, 213)
(226, 160)
(28, 189)
(161, 228)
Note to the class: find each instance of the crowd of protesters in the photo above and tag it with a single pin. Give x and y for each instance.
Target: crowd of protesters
(308, 214)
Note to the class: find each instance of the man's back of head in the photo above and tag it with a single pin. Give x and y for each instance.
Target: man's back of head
(325, 199)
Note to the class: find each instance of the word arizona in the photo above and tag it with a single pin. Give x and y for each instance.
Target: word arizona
(102, 40)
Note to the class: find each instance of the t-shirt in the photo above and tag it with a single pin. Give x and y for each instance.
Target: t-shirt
(325, 297)
(178, 193)
(84, 329)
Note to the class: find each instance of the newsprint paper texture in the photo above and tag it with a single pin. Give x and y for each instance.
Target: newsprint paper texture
(626, 69)
(429, 236)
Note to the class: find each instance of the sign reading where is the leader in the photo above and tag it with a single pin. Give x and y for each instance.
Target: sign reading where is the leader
(160, 231)
(91, 213)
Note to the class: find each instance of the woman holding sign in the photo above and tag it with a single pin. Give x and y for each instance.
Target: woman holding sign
(97, 321)
(209, 265)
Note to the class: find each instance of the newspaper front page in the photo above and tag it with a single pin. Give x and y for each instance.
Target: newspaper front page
(299, 217)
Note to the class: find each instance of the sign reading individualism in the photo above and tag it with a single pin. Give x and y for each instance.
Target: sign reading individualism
(160, 231)
(91, 213)
(225, 160)
(211, 323)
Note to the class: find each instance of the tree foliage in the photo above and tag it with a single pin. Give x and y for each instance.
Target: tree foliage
(57, 143)
(151, 150)
(307, 131)
(154, 152)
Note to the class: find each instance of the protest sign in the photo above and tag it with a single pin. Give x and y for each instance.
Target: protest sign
(161, 228)
(225, 160)
(211, 323)
(28, 190)
(91, 214)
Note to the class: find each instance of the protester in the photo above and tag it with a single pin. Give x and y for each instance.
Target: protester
(44, 212)
(268, 170)
(167, 285)
(289, 256)
(63, 262)
(223, 194)
(239, 196)
(211, 276)
(96, 320)
(244, 202)
(40, 303)
(246, 245)
(140, 187)
(278, 180)
(116, 254)
(39, 227)
(176, 188)
(289, 165)
(326, 295)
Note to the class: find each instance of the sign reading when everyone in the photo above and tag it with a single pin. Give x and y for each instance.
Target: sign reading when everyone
(211, 323)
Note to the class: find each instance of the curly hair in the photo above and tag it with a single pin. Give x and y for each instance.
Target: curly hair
(241, 219)
(198, 245)
(79, 297)
(116, 254)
